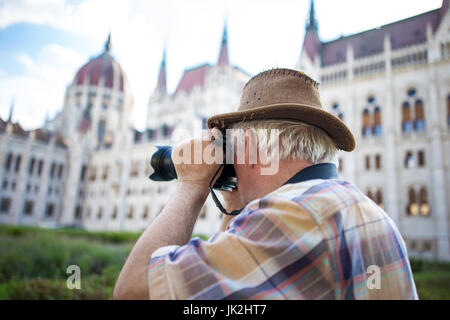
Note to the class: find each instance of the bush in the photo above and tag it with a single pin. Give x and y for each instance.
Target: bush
(429, 265)
(102, 236)
(47, 256)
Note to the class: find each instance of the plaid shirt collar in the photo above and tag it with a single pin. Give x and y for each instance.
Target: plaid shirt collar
(317, 171)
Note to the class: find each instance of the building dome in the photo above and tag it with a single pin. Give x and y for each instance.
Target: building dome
(102, 70)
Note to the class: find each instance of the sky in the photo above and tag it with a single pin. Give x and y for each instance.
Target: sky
(43, 43)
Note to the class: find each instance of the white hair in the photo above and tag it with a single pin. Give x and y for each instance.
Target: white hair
(297, 140)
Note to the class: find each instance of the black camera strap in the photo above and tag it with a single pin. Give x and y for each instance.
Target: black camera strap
(214, 196)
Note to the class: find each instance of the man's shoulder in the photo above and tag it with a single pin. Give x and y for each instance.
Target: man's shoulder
(318, 198)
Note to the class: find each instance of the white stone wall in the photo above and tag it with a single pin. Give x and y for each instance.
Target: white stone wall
(24, 186)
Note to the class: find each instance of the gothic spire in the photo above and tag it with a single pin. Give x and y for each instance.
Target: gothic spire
(108, 43)
(161, 86)
(11, 110)
(312, 24)
(223, 55)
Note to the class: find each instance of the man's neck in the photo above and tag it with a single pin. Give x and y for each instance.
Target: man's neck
(265, 184)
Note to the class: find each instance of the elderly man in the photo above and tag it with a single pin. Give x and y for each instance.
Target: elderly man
(302, 233)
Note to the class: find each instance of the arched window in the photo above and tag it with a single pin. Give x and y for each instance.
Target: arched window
(52, 170)
(419, 123)
(421, 158)
(40, 166)
(18, 161)
(379, 198)
(60, 171)
(367, 162)
(145, 213)
(9, 158)
(424, 206)
(409, 160)
(413, 119)
(367, 126)
(377, 121)
(105, 172)
(413, 207)
(406, 118)
(106, 101)
(372, 118)
(91, 99)
(31, 166)
(99, 214)
(50, 210)
(130, 212)
(114, 213)
(78, 212)
(93, 172)
(101, 130)
(166, 132)
(378, 161)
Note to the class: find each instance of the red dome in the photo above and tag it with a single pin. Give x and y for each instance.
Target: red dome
(99, 68)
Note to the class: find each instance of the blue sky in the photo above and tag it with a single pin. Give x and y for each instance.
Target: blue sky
(44, 42)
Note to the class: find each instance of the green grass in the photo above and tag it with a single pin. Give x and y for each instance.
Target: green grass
(33, 264)
(432, 279)
(33, 261)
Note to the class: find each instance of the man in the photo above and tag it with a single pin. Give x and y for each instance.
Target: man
(302, 234)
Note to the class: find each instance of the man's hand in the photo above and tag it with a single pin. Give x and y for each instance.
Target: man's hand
(196, 161)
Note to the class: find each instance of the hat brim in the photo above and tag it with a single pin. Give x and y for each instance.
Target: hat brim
(333, 126)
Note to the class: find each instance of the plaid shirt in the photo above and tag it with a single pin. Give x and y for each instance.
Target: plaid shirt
(317, 239)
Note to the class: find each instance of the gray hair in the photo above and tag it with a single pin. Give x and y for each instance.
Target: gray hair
(297, 140)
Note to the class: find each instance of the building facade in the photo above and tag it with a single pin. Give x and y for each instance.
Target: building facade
(391, 86)
(88, 167)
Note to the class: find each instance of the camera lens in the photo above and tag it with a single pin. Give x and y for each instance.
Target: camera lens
(162, 164)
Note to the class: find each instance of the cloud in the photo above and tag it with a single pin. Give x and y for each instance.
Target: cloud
(262, 34)
(136, 46)
(41, 87)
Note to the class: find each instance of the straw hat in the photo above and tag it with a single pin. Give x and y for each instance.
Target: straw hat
(286, 94)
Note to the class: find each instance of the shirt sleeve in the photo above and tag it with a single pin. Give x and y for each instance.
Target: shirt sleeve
(253, 259)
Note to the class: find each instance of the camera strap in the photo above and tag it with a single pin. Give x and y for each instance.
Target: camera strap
(214, 196)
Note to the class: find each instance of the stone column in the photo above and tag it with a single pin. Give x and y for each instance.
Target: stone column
(71, 185)
(349, 159)
(124, 149)
(389, 161)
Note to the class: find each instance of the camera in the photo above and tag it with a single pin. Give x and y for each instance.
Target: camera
(162, 163)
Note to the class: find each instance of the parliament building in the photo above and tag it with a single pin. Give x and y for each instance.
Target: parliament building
(88, 167)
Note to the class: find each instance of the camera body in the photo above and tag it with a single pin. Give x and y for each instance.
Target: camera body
(162, 163)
